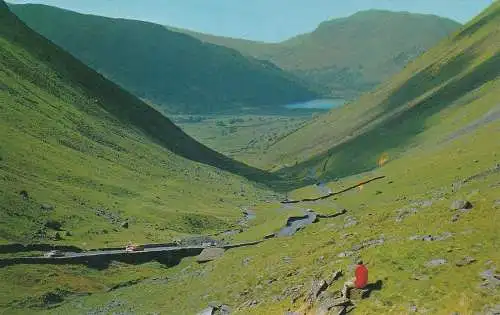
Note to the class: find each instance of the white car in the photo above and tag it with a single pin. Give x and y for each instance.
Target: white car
(134, 248)
(54, 253)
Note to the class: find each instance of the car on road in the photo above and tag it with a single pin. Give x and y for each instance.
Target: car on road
(134, 248)
(54, 253)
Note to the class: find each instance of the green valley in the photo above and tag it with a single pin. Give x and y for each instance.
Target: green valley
(271, 213)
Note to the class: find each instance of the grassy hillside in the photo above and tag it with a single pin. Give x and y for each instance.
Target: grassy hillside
(90, 156)
(456, 158)
(428, 258)
(173, 70)
(350, 55)
(454, 74)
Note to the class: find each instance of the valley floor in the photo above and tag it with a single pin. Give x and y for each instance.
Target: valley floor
(243, 137)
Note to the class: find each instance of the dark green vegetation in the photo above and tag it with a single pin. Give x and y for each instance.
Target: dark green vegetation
(412, 109)
(176, 71)
(350, 55)
(80, 155)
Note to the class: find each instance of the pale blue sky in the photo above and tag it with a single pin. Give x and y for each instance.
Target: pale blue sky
(266, 20)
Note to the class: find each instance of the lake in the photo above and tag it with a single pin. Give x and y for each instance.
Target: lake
(318, 104)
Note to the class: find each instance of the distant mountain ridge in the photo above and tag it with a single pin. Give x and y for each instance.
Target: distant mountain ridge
(172, 70)
(462, 72)
(348, 56)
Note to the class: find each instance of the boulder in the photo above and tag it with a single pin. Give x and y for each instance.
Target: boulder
(334, 277)
(294, 293)
(209, 254)
(356, 294)
(491, 279)
(317, 287)
(333, 306)
(436, 262)
(250, 303)
(224, 310)
(124, 225)
(465, 261)
(492, 310)
(461, 205)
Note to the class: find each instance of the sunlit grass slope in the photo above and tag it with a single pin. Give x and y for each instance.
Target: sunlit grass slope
(79, 144)
(450, 76)
(421, 185)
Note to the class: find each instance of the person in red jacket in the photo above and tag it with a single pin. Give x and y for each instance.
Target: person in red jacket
(359, 281)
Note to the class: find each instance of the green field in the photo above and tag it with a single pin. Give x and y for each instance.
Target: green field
(242, 137)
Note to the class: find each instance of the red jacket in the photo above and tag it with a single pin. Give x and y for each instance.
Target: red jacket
(361, 277)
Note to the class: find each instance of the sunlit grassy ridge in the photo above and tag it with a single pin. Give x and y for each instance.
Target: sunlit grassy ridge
(350, 139)
(79, 143)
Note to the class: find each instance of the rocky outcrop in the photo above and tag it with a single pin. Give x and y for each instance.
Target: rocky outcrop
(491, 279)
(465, 261)
(436, 262)
(317, 287)
(209, 254)
(429, 238)
(367, 243)
(461, 205)
(215, 308)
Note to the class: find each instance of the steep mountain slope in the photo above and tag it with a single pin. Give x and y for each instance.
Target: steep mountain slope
(349, 140)
(422, 256)
(97, 156)
(173, 70)
(353, 54)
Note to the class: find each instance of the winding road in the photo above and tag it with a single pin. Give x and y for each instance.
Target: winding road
(167, 254)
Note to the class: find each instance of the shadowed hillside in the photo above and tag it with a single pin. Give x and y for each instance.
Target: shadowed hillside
(348, 56)
(173, 70)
